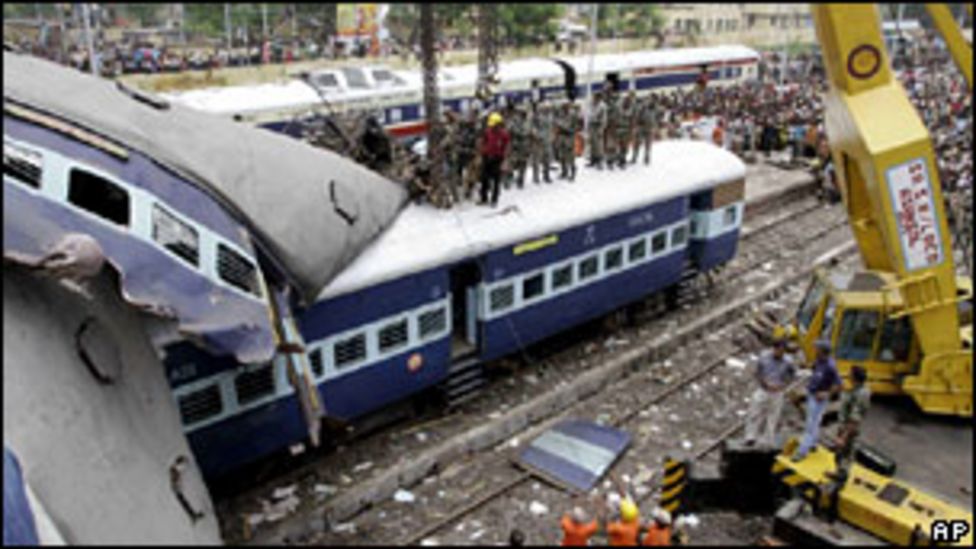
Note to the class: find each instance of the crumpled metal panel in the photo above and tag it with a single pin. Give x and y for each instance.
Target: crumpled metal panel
(226, 322)
(312, 210)
(574, 453)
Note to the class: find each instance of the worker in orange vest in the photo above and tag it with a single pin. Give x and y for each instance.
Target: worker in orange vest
(578, 528)
(659, 531)
(625, 529)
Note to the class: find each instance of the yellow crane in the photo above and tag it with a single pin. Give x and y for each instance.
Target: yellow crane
(907, 317)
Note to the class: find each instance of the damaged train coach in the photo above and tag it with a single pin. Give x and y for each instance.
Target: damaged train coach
(133, 230)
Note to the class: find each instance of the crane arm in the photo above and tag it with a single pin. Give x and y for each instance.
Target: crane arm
(887, 172)
(962, 52)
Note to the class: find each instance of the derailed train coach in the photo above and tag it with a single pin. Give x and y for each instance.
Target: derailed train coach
(214, 229)
(441, 293)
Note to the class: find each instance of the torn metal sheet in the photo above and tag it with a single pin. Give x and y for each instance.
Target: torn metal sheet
(574, 454)
(311, 210)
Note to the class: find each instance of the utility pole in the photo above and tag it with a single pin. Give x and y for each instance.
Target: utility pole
(92, 59)
(432, 103)
(264, 21)
(294, 21)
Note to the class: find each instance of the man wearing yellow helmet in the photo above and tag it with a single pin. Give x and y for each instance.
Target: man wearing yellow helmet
(625, 528)
(494, 144)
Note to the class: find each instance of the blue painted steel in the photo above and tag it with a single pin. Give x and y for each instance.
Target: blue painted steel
(335, 315)
(227, 322)
(502, 263)
(18, 518)
(713, 252)
(568, 468)
(508, 333)
(372, 387)
(139, 171)
(245, 437)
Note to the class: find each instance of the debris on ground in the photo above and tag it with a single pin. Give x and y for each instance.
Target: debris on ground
(736, 363)
(538, 508)
(404, 496)
(325, 490)
(364, 466)
(284, 491)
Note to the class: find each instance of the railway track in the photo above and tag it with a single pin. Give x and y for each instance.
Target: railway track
(786, 225)
(523, 477)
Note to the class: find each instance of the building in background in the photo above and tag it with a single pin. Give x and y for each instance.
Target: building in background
(764, 26)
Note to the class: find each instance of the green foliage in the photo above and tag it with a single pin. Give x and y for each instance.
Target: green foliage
(628, 20)
(525, 24)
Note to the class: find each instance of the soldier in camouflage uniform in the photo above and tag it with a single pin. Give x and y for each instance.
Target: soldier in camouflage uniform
(519, 156)
(565, 131)
(646, 128)
(449, 146)
(541, 141)
(598, 125)
(625, 127)
(466, 149)
(613, 120)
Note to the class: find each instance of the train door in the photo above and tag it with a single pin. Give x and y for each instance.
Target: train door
(465, 278)
(613, 81)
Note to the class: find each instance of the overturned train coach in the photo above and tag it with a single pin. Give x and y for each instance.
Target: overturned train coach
(440, 293)
(212, 229)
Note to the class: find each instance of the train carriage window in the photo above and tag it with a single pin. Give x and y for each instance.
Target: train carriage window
(175, 235)
(251, 386)
(730, 216)
(236, 270)
(637, 250)
(658, 242)
(502, 298)
(98, 196)
(679, 235)
(23, 164)
(432, 323)
(349, 351)
(588, 267)
(857, 331)
(533, 287)
(200, 405)
(562, 277)
(396, 115)
(393, 336)
(613, 259)
(896, 339)
(315, 363)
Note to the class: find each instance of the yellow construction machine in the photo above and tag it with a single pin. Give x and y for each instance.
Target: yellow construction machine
(907, 318)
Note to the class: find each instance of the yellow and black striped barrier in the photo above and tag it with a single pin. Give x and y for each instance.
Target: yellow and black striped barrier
(673, 484)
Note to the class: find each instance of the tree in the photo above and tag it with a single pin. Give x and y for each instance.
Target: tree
(525, 24)
(641, 20)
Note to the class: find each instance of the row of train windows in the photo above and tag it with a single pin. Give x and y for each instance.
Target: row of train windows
(206, 403)
(111, 202)
(533, 287)
(254, 385)
(391, 338)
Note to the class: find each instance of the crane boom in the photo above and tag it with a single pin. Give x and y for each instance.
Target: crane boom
(889, 181)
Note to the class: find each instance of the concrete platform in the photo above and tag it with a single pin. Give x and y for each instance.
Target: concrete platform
(933, 453)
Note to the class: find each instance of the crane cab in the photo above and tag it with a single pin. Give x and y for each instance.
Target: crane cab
(867, 325)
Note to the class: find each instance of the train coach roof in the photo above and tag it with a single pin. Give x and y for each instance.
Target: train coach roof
(424, 237)
(281, 188)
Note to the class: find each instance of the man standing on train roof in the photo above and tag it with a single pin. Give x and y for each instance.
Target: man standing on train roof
(494, 144)
(774, 372)
(565, 126)
(824, 382)
(625, 127)
(519, 146)
(613, 120)
(596, 130)
(646, 121)
(541, 138)
(466, 149)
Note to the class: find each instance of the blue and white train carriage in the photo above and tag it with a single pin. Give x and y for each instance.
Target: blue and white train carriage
(442, 289)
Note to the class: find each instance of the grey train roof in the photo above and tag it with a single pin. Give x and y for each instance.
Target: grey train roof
(313, 210)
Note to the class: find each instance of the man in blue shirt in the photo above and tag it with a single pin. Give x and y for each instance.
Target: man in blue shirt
(824, 381)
